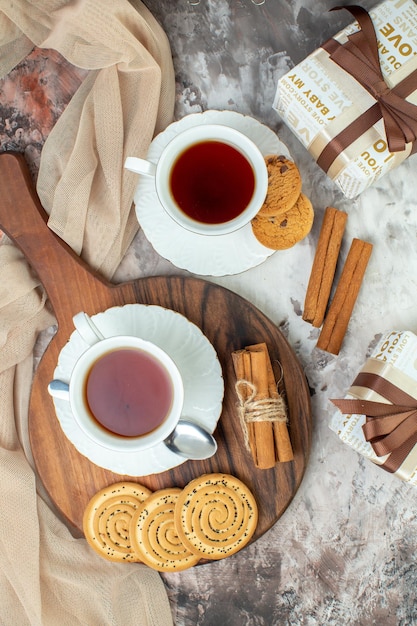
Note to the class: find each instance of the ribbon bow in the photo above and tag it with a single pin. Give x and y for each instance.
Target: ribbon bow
(389, 428)
(359, 57)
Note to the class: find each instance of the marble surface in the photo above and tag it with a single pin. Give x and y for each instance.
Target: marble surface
(343, 552)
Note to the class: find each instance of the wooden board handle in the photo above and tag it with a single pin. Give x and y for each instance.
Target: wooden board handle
(24, 220)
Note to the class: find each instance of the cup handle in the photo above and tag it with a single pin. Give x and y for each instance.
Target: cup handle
(87, 329)
(140, 166)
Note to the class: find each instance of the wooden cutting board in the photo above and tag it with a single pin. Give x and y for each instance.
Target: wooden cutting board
(228, 321)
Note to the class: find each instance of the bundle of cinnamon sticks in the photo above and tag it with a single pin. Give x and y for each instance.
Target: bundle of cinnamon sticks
(335, 322)
(263, 410)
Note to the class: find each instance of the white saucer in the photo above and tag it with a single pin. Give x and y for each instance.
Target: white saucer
(195, 358)
(200, 254)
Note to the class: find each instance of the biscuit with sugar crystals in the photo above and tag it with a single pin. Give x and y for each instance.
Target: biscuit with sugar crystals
(280, 232)
(216, 515)
(284, 185)
(154, 535)
(107, 517)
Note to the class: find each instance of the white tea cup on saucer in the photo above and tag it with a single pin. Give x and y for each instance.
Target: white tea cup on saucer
(211, 179)
(126, 393)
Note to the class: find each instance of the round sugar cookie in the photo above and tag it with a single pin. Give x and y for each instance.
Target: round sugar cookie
(216, 515)
(106, 520)
(283, 231)
(284, 185)
(154, 536)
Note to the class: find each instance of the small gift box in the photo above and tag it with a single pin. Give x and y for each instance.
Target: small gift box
(378, 416)
(352, 102)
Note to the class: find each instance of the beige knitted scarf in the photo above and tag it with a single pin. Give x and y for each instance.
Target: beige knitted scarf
(47, 576)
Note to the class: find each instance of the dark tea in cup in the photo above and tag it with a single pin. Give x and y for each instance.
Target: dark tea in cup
(212, 182)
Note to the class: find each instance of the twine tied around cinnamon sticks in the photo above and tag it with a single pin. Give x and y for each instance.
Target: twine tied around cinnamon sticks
(262, 410)
(253, 410)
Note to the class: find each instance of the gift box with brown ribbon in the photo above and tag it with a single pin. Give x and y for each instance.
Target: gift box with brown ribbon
(353, 101)
(378, 416)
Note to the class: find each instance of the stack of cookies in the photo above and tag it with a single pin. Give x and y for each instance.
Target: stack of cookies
(286, 216)
(170, 530)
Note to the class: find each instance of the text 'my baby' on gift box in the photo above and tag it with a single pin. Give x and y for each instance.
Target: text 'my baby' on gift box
(353, 102)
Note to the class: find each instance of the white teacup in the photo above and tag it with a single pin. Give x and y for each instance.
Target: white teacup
(211, 179)
(126, 393)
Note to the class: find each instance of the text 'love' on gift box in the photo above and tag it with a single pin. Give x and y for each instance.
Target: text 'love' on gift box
(353, 101)
(378, 416)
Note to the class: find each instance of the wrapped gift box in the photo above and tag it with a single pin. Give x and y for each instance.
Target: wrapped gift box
(390, 371)
(337, 118)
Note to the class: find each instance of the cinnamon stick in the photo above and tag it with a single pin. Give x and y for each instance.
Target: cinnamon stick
(269, 440)
(260, 434)
(242, 367)
(283, 445)
(324, 266)
(263, 431)
(347, 290)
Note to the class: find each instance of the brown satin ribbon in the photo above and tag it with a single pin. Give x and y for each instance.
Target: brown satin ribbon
(389, 428)
(359, 57)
